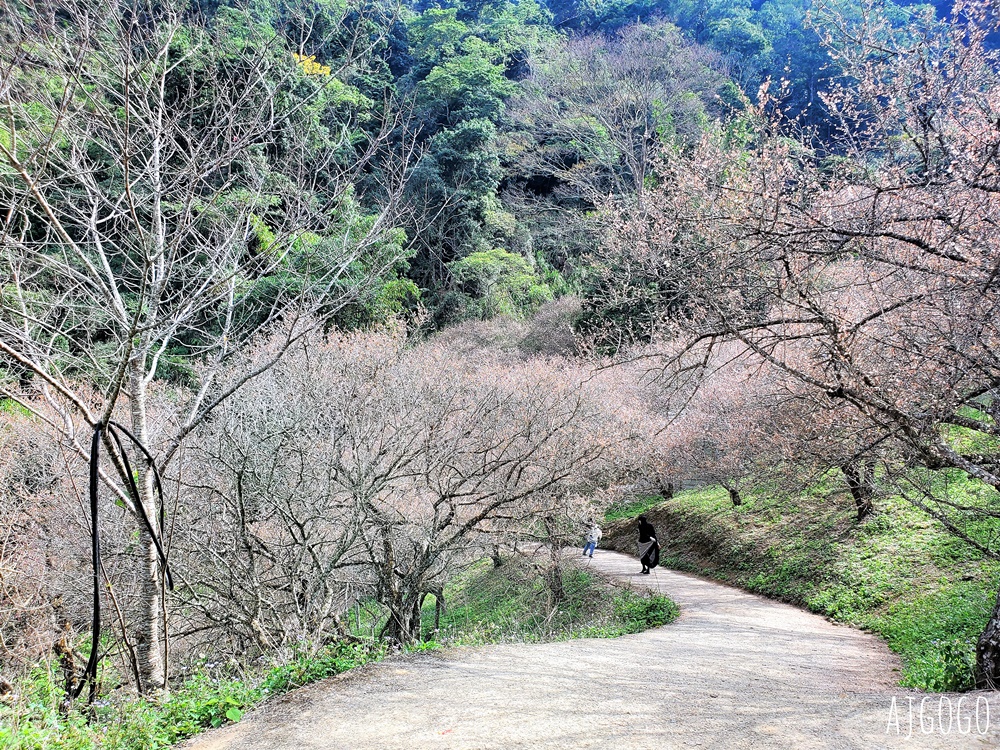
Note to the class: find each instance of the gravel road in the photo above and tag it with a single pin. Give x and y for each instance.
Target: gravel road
(734, 671)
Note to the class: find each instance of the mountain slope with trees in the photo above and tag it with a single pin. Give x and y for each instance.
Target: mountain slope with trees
(312, 304)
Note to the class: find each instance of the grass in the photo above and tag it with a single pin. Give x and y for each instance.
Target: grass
(10, 406)
(511, 603)
(632, 508)
(33, 720)
(486, 605)
(897, 574)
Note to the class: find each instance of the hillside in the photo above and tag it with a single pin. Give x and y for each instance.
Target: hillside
(316, 314)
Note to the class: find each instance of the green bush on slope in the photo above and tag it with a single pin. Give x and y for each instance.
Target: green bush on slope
(211, 698)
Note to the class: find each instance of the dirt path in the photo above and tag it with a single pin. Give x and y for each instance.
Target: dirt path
(735, 671)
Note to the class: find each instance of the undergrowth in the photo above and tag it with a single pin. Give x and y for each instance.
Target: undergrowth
(509, 603)
(897, 574)
(32, 720)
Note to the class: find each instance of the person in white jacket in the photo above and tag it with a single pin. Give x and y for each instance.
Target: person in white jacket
(593, 537)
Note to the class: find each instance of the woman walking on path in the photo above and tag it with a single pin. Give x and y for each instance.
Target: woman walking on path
(593, 537)
(649, 550)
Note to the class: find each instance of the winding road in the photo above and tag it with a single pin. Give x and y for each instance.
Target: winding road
(734, 671)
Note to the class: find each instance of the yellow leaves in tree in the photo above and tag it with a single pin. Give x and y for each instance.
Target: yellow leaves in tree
(309, 65)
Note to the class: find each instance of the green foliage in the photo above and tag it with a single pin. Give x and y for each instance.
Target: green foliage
(461, 64)
(368, 290)
(176, 368)
(264, 235)
(35, 722)
(202, 702)
(936, 633)
(631, 508)
(395, 296)
(769, 40)
(897, 574)
(638, 613)
(437, 34)
(10, 406)
(470, 86)
(500, 283)
(622, 303)
(464, 64)
(308, 668)
(488, 604)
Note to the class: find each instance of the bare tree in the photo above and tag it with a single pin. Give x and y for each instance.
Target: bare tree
(268, 544)
(744, 424)
(168, 195)
(27, 604)
(390, 464)
(439, 449)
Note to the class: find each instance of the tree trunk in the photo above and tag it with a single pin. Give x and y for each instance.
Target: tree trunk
(438, 595)
(438, 609)
(63, 649)
(988, 652)
(860, 477)
(148, 639)
(149, 608)
(403, 625)
(553, 577)
(554, 582)
(403, 599)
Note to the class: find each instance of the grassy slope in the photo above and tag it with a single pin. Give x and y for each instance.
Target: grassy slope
(511, 604)
(897, 574)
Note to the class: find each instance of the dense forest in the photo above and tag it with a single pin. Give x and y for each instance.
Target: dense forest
(306, 305)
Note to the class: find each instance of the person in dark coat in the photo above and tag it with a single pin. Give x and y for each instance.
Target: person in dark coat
(649, 550)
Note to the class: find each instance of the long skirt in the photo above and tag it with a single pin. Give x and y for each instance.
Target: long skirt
(649, 553)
